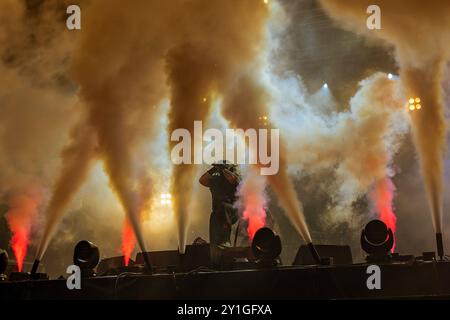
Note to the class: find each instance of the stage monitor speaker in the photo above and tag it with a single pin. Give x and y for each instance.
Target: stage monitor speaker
(26, 267)
(342, 255)
(112, 265)
(196, 256)
(229, 258)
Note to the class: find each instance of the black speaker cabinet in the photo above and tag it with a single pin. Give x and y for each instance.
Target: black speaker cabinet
(342, 255)
(196, 256)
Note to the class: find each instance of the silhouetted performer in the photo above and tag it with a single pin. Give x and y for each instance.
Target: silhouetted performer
(222, 179)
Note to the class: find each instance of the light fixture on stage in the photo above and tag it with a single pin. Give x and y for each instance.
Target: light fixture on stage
(325, 86)
(414, 104)
(166, 199)
(86, 255)
(266, 246)
(377, 240)
(264, 120)
(3, 264)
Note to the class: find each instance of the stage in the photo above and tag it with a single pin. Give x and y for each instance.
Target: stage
(424, 280)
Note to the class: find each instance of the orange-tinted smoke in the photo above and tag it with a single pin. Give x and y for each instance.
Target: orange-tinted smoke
(244, 103)
(208, 53)
(429, 131)
(78, 159)
(420, 33)
(190, 82)
(122, 84)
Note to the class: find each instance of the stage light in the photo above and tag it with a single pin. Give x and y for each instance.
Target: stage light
(86, 255)
(377, 240)
(264, 120)
(414, 104)
(266, 246)
(325, 86)
(390, 76)
(3, 261)
(166, 199)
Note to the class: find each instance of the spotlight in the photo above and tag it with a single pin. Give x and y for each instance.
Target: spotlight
(377, 240)
(166, 199)
(390, 76)
(325, 86)
(266, 246)
(264, 120)
(3, 261)
(414, 104)
(86, 255)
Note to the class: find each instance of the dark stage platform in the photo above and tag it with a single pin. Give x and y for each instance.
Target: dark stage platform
(401, 280)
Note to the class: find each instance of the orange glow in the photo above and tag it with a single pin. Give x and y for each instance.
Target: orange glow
(21, 215)
(19, 244)
(128, 241)
(255, 214)
(383, 196)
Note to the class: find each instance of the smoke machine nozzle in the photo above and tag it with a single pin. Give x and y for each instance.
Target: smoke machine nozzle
(147, 263)
(35, 267)
(440, 245)
(314, 253)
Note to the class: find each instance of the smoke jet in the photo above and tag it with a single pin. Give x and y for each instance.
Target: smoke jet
(212, 59)
(120, 88)
(77, 161)
(33, 125)
(358, 144)
(187, 93)
(420, 33)
(246, 100)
